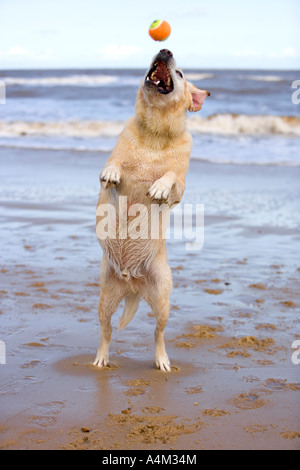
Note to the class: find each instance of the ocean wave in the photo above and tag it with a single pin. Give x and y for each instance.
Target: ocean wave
(265, 78)
(222, 124)
(236, 124)
(71, 80)
(88, 80)
(48, 145)
(247, 162)
(96, 148)
(198, 76)
(61, 128)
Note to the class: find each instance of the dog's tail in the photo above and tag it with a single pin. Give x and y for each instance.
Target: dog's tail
(131, 305)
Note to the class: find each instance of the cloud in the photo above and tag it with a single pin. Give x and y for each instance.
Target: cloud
(112, 51)
(45, 55)
(289, 52)
(49, 31)
(247, 53)
(189, 13)
(17, 51)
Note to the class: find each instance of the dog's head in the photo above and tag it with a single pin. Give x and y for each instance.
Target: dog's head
(165, 85)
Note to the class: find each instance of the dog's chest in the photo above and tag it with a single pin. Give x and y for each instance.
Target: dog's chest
(139, 171)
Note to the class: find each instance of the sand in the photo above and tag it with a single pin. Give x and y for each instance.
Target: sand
(234, 317)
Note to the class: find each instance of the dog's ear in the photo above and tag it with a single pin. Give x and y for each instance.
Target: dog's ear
(197, 97)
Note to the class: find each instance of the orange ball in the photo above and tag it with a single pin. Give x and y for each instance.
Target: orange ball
(160, 30)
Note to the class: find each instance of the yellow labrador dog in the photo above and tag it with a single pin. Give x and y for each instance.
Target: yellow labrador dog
(146, 171)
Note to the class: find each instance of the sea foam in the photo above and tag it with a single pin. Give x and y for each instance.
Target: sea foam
(222, 124)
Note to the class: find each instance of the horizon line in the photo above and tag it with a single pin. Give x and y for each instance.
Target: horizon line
(146, 68)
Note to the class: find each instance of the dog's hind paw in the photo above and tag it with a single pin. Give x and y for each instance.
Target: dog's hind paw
(101, 360)
(110, 176)
(163, 363)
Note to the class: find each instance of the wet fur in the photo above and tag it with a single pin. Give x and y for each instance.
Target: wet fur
(148, 165)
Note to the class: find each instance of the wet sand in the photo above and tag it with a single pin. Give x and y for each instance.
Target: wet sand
(234, 317)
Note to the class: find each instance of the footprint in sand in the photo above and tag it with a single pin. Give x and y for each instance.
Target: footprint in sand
(248, 401)
(45, 413)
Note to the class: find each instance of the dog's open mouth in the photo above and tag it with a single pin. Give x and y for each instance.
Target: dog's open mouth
(160, 77)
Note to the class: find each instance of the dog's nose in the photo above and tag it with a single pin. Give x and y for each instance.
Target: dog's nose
(164, 55)
(166, 52)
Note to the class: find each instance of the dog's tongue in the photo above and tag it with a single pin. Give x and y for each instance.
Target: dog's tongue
(161, 72)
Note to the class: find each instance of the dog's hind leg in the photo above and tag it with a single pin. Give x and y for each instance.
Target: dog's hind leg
(161, 312)
(112, 292)
(157, 295)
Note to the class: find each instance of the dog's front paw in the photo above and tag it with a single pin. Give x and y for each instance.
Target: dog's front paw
(110, 175)
(160, 190)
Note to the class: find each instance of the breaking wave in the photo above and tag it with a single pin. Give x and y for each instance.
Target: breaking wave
(236, 124)
(222, 124)
(265, 78)
(71, 80)
(61, 128)
(198, 76)
(106, 79)
(89, 80)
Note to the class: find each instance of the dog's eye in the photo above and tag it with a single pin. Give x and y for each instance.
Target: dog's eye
(179, 73)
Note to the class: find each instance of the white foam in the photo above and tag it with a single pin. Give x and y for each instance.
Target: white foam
(71, 80)
(220, 124)
(265, 78)
(61, 128)
(236, 124)
(198, 76)
(248, 162)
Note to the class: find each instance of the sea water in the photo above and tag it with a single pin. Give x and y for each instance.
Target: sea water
(250, 117)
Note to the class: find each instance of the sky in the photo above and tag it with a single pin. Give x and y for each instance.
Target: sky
(246, 34)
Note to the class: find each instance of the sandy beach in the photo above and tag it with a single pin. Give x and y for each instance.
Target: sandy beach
(234, 316)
